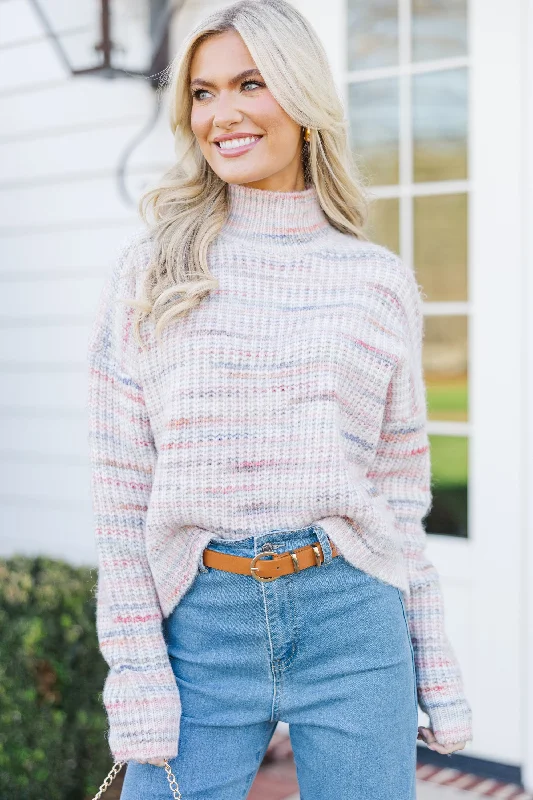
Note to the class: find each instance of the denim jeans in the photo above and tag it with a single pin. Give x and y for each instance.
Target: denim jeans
(326, 650)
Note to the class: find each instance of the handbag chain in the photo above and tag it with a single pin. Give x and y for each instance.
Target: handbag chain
(117, 766)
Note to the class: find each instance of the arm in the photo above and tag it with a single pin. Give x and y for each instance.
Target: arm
(140, 692)
(402, 472)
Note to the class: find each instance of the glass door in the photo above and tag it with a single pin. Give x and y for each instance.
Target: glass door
(407, 86)
(433, 92)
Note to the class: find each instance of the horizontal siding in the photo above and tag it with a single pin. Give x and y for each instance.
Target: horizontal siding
(60, 345)
(74, 155)
(32, 389)
(62, 220)
(65, 485)
(81, 201)
(18, 23)
(62, 533)
(85, 102)
(47, 297)
(44, 440)
(18, 67)
(43, 253)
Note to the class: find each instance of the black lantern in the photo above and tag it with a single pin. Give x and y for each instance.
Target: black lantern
(128, 38)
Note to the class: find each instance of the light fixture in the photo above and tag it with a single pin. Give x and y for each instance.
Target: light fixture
(111, 38)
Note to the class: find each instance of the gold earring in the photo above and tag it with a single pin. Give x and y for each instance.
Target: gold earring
(307, 134)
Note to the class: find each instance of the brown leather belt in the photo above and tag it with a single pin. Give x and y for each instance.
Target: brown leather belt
(268, 565)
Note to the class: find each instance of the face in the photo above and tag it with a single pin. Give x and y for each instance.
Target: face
(228, 105)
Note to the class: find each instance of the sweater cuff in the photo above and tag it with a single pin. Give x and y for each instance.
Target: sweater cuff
(451, 723)
(143, 711)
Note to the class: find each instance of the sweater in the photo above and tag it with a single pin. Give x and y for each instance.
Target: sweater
(292, 395)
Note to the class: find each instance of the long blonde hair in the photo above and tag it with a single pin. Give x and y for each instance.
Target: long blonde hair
(189, 202)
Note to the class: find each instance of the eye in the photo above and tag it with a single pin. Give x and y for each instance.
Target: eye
(197, 92)
(257, 83)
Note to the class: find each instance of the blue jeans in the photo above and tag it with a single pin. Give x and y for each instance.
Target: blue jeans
(326, 650)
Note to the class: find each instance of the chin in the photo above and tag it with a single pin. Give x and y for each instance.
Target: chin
(239, 176)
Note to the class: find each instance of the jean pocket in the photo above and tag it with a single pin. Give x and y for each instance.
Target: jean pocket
(361, 574)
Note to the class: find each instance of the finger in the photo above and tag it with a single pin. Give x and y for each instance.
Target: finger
(439, 748)
(426, 734)
(447, 749)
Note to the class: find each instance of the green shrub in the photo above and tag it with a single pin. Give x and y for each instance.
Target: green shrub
(53, 725)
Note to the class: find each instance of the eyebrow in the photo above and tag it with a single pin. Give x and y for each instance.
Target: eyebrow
(232, 81)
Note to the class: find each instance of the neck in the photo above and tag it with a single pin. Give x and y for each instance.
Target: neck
(262, 215)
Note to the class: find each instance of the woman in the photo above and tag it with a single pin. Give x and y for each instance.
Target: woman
(260, 456)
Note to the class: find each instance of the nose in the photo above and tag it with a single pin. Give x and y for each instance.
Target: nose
(226, 112)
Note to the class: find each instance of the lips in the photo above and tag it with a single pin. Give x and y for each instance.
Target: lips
(229, 152)
(254, 137)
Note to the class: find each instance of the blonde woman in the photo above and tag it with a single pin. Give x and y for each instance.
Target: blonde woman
(261, 466)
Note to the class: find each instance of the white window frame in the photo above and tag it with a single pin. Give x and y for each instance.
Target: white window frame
(487, 578)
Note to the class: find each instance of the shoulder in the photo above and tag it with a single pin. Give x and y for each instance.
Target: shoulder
(123, 281)
(397, 275)
(133, 255)
(369, 261)
(375, 269)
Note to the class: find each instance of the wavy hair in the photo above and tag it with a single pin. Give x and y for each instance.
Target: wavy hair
(189, 202)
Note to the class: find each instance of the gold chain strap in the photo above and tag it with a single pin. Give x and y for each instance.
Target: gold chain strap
(117, 766)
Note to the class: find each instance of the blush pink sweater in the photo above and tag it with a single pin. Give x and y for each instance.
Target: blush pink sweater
(291, 395)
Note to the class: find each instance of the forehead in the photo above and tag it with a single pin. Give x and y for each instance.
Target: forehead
(220, 57)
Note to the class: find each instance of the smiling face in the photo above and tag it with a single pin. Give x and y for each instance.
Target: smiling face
(243, 132)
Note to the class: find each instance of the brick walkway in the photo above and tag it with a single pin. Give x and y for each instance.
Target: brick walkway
(277, 781)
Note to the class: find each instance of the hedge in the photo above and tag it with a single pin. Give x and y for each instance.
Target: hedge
(53, 725)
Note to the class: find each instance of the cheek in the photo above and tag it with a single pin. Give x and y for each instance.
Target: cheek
(268, 115)
(277, 124)
(200, 124)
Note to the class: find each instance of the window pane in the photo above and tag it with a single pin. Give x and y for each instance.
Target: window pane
(440, 119)
(449, 484)
(441, 246)
(445, 362)
(383, 225)
(372, 33)
(373, 126)
(439, 29)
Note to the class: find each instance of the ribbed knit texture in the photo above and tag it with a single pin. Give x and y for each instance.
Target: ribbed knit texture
(291, 395)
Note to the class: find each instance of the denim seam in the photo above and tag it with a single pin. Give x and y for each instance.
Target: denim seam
(410, 647)
(287, 661)
(271, 646)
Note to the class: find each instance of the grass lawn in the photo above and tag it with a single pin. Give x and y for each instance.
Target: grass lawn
(447, 398)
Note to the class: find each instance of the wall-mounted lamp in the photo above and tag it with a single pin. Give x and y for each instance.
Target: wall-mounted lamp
(128, 38)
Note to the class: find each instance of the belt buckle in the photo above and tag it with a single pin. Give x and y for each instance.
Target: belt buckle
(254, 569)
(293, 556)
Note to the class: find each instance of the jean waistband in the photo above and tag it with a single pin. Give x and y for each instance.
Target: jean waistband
(277, 540)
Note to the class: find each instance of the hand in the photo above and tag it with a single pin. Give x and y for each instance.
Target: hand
(157, 762)
(427, 735)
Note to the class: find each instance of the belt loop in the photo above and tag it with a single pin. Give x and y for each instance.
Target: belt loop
(324, 543)
(201, 565)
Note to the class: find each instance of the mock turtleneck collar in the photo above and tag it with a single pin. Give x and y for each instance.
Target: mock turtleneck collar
(278, 217)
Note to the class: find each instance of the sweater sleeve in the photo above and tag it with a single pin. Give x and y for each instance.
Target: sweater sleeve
(140, 693)
(402, 472)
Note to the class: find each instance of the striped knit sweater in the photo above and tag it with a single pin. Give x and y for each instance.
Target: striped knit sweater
(291, 395)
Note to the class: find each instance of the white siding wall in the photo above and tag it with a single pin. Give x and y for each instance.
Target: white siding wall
(61, 220)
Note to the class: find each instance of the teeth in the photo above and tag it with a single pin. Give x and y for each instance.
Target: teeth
(230, 143)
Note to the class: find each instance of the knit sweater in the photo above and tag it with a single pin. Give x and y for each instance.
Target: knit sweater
(292, 395)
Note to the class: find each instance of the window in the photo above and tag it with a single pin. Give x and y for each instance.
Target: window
(407, 101)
